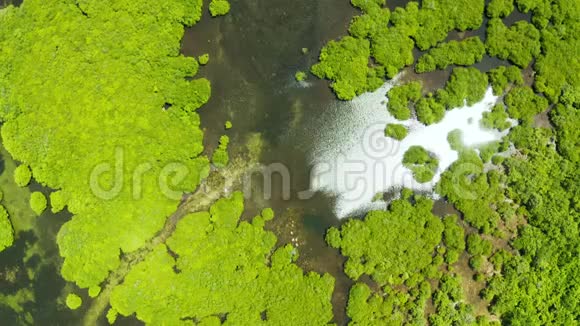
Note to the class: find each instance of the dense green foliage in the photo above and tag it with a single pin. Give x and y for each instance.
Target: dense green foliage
(421, 162)
(523, 104)
(462, 53)
(543, 185)
(502, 76)
(475, 192)
(390, 257)
(84, 97)
(519, 43)
(465, 86)
(389, 39)
(528, 195)
(89, 83)
(22, 175)
(565, 118)
(396, 131)
(429, 110)
(438, 17)
(389, 308)
(500, 8)
(453, 237)
(496, 119)
(478, 246)
(219, 7)
(557, 66)
(221, 266)
(6, 231)
(400, 97)
(450, 307)
(345, 62)
(38, 202)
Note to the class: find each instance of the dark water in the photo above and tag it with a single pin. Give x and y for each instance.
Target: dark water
(255, 52)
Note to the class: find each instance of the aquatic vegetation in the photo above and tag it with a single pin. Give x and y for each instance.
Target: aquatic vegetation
(396, 131)
(400, 97)
(22, 175)
(215, 250)
(220, 157)
(6, 231)
(219, 7)
(421, 162)
(228, 125)
(73, 301)
(203, 59)
(38, 202)
(454, 138)
(94, 291)
(519, 43)
(300, 76)
(17, 303)
(462, 53)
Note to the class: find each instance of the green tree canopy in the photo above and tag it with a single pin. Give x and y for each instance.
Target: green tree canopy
(77, 88)
(22, 175)
(224, 267)
(462, 53)
(422, 163)
(38, 202)
(400, 97)
(519, 43)
(390, 257)
(6, 231)
(396, 131)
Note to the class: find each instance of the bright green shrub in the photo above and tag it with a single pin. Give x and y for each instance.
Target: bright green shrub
(396, 131)
(38, 202)
(219, 7)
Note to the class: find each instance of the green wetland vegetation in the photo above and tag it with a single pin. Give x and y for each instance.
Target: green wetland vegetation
(127, 128)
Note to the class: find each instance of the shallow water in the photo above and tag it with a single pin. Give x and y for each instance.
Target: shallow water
(354, 160)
